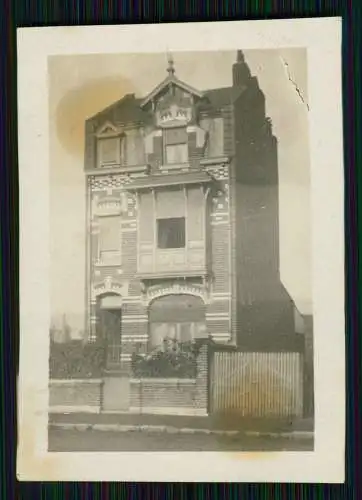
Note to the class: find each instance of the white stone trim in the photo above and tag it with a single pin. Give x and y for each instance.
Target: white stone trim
(75, 409)
(157, 380)
(219, 314)
(132, 336)
(221, 214)
(125, 357)
(135, 338)
(169, 410)
(74, 381)
(218, 318)
(134, 316)
(219, 223)
(135, 320)
(221, 298)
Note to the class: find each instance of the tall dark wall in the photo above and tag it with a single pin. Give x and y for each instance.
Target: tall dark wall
(263, 306)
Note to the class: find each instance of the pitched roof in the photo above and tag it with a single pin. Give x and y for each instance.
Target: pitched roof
(223, 96)
(129, 108)
(170, 79)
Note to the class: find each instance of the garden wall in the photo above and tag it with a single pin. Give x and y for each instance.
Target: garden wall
(67, 396)
(172, 395)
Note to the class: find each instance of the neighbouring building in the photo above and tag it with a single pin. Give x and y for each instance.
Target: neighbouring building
(182, 218)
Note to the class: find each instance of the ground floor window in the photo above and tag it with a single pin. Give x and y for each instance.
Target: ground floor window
(182, 332)
(179, 317)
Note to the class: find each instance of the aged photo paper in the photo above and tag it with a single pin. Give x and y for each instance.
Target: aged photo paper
(182, 256)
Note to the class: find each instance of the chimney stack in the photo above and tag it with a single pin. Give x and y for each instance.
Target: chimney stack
(241, 71)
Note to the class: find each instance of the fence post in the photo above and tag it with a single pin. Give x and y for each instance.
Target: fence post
(201, 400)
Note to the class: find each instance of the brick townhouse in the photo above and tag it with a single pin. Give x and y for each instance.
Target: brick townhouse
(182, 218)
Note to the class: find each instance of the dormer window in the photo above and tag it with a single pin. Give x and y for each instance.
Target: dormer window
(181, 114)
(110, 146)
(176, 146)
(109, 151)
(166, 116)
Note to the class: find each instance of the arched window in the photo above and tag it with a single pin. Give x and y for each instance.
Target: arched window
(179, 316)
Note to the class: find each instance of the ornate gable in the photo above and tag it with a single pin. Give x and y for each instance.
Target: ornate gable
(172, 101)
(107, 129)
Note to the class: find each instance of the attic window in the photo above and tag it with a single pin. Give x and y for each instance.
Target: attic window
(176, 145)
(166, 116)
(109, 151)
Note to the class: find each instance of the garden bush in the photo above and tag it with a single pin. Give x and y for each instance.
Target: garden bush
(76, 359)
(173, 359)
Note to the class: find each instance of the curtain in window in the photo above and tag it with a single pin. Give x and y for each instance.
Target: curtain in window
(178, 316)
(171, 233)
(182, 332)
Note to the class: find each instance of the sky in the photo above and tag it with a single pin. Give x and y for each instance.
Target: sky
(80, 86)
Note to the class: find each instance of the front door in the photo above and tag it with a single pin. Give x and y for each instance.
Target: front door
(110, 324)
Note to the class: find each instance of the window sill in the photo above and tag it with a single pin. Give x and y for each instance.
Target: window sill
(107, 264)
(214, 161)
(172, 274)
(117, 168)
(175, 166)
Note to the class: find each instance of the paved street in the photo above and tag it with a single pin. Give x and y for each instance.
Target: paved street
(90, 440)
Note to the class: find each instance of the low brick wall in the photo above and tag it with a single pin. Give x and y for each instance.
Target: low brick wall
(66, 396)
(162, 393)
(172, 395)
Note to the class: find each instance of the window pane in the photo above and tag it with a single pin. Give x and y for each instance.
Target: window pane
(171, 232)
(158, 333)
(177, 153)
(186, 332)
(108, 150)
(175, 136)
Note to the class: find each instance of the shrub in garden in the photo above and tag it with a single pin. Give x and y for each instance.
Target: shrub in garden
(76, 359)
(173, 359)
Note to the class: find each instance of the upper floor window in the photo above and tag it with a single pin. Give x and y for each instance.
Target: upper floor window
(176, 145)
(109, 151)
(171, 233)
(176, 153)
(109, 243)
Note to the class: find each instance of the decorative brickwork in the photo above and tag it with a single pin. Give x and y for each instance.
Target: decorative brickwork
(211, 168)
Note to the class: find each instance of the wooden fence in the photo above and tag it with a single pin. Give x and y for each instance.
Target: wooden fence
(256, 384)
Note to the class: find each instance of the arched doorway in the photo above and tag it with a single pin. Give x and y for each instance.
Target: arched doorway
(109, 321)
(178, 316)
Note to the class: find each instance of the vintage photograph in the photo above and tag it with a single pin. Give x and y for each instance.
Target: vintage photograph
(180, 252)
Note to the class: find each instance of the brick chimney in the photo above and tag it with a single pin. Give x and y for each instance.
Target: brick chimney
(241, 71)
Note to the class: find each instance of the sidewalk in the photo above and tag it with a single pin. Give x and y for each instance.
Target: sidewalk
(124, 422)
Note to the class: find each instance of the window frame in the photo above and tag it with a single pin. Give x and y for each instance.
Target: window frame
(100, 260)
(158, 220)
(166, 143)
(119, 149)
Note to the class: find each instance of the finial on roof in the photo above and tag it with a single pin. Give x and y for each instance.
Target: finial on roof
(170, 68)
(240, 56)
